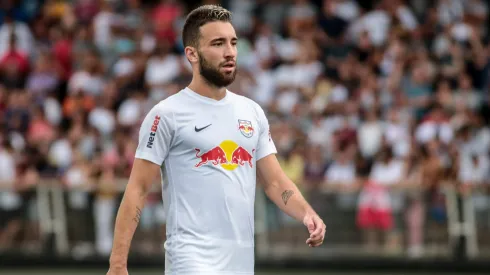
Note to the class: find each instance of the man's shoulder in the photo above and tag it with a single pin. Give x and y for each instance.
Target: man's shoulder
(171, 103)
(240, 99)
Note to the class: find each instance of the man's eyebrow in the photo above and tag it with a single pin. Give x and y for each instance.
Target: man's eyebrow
(222, 39)
(219, 39)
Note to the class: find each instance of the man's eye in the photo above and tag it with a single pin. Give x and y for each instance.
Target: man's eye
(217, 44)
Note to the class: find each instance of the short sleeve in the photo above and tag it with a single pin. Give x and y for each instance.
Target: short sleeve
(155, 135)
(266, 144)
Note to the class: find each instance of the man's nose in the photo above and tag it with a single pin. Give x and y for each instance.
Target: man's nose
(230, 52)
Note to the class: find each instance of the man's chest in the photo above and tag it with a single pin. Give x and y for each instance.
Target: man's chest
(223, 136)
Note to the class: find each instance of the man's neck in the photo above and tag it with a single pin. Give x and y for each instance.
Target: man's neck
(202, 87)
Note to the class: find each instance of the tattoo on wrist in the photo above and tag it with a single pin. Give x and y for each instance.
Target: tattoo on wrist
(286, 195)
(136, 219)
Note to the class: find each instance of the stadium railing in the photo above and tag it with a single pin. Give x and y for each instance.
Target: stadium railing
(285, 237)
(279, 237)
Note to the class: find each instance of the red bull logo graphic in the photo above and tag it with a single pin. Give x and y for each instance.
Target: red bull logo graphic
(215, 156)
(228, 154)
(245, 128)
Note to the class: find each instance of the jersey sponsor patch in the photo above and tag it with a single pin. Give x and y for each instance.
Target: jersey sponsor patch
(153, 132)
(228, 154)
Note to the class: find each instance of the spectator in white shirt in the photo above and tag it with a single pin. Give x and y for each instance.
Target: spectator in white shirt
(77, 180)
(467, 94)
(103, 23)
(378, 202)
(376, 22)
(435, 126)
(370, 134)
(474, 177)
(388, 171)
(397, 134)
(22, 35)
(340, 177)
(161, 69)
(449, 11)
(88, 80)
(10, 201)
(473, 169)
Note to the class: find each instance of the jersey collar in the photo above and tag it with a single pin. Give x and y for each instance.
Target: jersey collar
(206, 99)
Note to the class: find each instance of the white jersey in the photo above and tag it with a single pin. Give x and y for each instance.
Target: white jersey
(208, 151)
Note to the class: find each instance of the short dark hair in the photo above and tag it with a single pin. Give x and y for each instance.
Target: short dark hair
(199, 17)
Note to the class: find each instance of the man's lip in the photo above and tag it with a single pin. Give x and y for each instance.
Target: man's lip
(229, 64)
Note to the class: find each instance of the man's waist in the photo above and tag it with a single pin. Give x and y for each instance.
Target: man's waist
(199, 272)
(186, 257)
(208, 241)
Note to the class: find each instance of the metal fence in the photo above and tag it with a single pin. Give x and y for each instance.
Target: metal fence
(412, 219)
(77, 223)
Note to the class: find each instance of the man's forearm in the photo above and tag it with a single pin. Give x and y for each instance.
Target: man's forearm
(286, 195)
(127, 220)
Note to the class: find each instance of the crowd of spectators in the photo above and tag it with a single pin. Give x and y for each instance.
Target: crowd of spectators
(364, 98)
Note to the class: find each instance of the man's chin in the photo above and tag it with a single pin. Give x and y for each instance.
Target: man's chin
(226, 84)
(223, 80)
(229, 70)
(228, 78)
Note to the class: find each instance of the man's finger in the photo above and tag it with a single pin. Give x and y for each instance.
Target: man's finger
(317, 233)
(318, 228)
(317, 240)
(313, 243)
(314, 239)
(310, 224)
(317, 244)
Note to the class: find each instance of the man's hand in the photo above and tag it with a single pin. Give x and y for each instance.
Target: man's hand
(316, 228)
(117, 271)
(286, 195)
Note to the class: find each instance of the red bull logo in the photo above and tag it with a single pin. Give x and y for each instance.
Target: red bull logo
(245, 128)
(228, 155)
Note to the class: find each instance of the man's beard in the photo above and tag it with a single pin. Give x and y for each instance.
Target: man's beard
(213, 76)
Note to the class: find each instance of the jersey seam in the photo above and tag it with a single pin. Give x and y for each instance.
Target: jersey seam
(259, 122)
(149, 156)
(175, 132)
(268, 152)
(173, 207)
(252, 105)
(171, 180)
(175, 204)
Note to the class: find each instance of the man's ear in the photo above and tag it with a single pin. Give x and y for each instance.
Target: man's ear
(191, 54)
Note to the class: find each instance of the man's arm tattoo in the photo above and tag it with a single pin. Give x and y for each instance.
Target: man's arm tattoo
(286, 195)
(136, 219)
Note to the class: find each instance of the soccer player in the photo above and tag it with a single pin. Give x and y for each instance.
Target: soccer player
(209, 145)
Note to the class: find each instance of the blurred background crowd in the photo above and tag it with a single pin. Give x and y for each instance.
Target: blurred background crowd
(374, 106)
